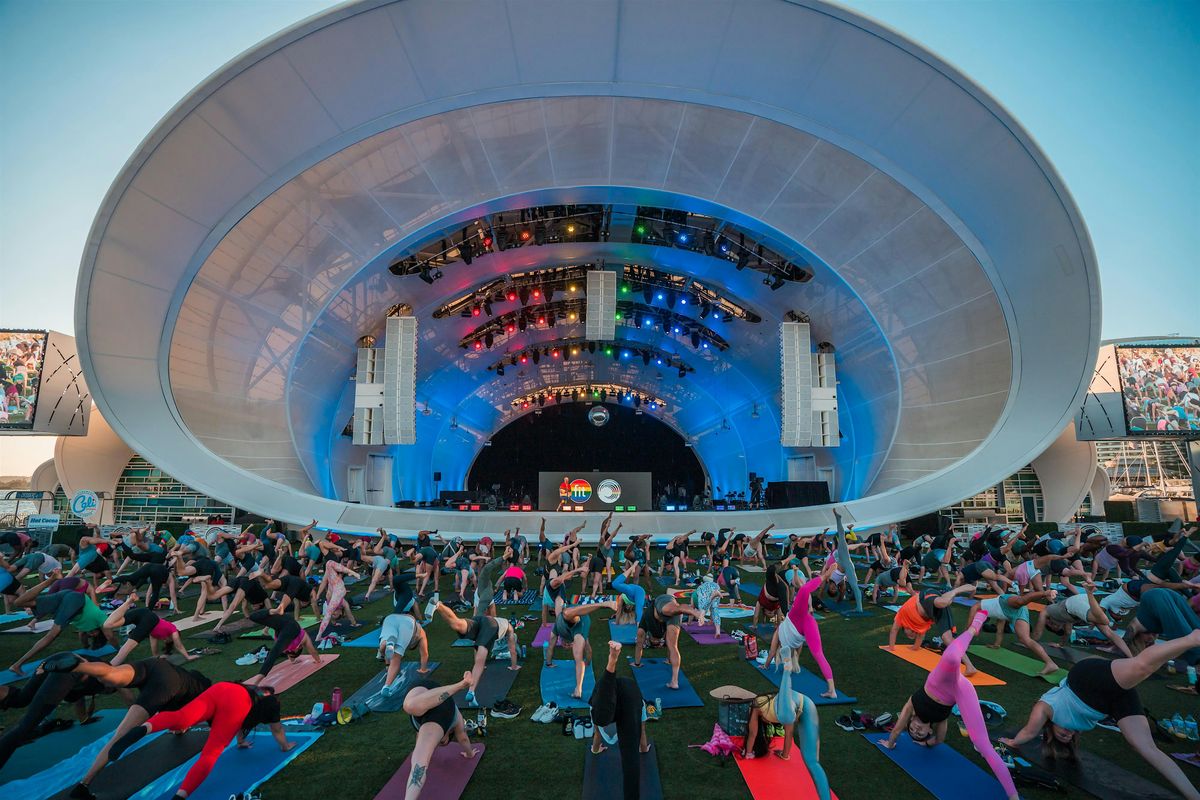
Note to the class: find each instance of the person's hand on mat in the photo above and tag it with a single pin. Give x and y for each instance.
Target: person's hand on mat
(513, 667)
(245, 744)
(886, 743)
(474, 752)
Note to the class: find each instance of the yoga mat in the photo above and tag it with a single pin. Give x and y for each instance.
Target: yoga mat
(287, 674)
(16, 617)
(584, 600)
(7, 676)
(751, 589)
(529, 596)
(558, 682)
(493, 685)
(763, 630)
(652, 677)
(1070, 655)
(927, 660)
(368, 639)
(736, 612)
(807, 683)
(846, 607)
(231, 628)
(305, 621)
(205, 618)
(150, 758)
(1098, 776)
(753, 568)
(704, 635)
(463, 643)
(602, 775)
(52, 751)
(40, 627)
(1016, 662)
(238, 770)
(1188, 758)
(447, 778)
(769, 777)
(543, 635)
(622, 634)
(943, 771)
(369, 695)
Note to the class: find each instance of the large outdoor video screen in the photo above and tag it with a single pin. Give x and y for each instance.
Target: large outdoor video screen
(21, 356)
(1161, 389)
(594, 491)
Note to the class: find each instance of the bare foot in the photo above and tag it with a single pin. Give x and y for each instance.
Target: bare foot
(669, 686)
(969, 671)
(1048, 669)
(831, 694)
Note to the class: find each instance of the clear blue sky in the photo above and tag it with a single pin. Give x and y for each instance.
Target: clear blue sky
(1109, 89)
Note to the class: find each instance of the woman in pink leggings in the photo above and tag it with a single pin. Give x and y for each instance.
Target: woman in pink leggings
(925, 714)
(799, 627)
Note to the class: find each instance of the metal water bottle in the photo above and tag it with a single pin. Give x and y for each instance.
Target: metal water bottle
(336, 699)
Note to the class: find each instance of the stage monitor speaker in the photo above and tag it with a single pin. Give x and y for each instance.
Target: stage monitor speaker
(797, 494)
(437, 476)
(601, 324)
(400, 381)
(795, 354)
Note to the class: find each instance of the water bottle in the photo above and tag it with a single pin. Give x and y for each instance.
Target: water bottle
(1191, 675)
(481, 722)
(545, 652)
(336, 700)
(1190, 728)
(658, 705)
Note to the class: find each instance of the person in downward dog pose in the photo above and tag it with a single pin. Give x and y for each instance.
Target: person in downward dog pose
(436, 719)
(573, 626)
(484, 631)
(146, 625)
(619, 700)
(1013, 608)
(663, 622)
(800, 627)
(398, 633)
(786, 708)
(922, 612)
(1096, 688)
(925, 714)
(290, 639)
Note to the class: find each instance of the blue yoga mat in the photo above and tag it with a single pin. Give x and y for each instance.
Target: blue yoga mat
(652, 679)
(750, 591)
(238, 770)
(623, 634)
(7, 677)
(559, 681)
(37, 764)
(807, 683)
(732, 612)
(368, 639)
(943, 771)
(17, 617)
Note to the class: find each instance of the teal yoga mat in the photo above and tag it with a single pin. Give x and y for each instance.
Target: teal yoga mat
(558, 682)
(623, 634)
(238, 770)
(56, 751)
(7, 677)
(652, 679)
(807, 683)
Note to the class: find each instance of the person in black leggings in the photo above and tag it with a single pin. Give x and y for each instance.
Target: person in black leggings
(161, 686)
(436, 719)
(245, 590)
(40, 696)
(290, 639)
(620, 700)
(156, 574)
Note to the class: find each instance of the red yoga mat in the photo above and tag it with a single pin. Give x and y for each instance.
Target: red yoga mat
(771, 777)
(286, 675)
(449, 774)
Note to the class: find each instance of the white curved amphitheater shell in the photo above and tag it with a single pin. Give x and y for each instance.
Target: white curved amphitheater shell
(244, 248)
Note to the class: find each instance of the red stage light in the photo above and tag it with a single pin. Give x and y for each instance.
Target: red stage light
(476, 311)
(555, 354)
(537, 293)
(524, 359)
(475, 508)
(511, 296)
(541, 320)
(510, 328)
(524, 236)
(487, 241)
(479, 345)
(514, 507)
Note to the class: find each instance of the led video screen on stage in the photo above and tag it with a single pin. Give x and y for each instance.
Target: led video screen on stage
(594, 491)
(22, 354)
(1161, 389)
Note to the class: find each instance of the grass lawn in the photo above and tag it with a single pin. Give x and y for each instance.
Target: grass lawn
(536, 761)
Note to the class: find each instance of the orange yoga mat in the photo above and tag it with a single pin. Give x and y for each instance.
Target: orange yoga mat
(287, 674)
(927, 660)
(770, 777)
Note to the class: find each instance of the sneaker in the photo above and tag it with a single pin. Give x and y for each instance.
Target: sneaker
(503, 709)
(546, 713)
(247, 659)
(845, 723)
(81, 792)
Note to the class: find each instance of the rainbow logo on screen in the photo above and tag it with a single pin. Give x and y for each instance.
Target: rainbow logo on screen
(581, 490)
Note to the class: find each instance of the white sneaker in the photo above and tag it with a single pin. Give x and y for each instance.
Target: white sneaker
(545, 713)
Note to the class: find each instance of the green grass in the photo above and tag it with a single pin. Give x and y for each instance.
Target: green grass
(536, 761)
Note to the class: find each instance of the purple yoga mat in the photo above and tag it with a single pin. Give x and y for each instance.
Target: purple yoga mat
(448, 775)
(1188, 758)
(704, 635)
(543, 635)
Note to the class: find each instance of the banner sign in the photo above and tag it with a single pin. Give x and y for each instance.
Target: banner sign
(594, 491)
(43, 522)
(28, 495)
(85, 505)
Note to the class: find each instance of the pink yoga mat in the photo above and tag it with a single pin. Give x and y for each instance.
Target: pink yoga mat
(287, 674)
(448, 775)
(704, 635)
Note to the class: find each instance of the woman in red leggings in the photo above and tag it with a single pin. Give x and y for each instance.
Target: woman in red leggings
(230, 709)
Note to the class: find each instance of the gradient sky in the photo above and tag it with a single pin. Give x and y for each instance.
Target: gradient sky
(1107, 88)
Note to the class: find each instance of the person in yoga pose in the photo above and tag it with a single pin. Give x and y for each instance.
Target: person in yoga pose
(926, 713)
(755, 551)
(892, 582)
(663, 622)
(619, 700)
(1096, 688)
(40, 696)
(334, 587)
(845, 564)
(247, 593)
(161, 686)
(676, 556)
(484, 631)
(384, 559)
(925, 610)
(554, 588)
(772, 597)
(631, 595)
(205, 573)
(230, 709)
(290, 639)
(573, 626)
(436, 719)
(297, 592)
(1078, 609)
(486, 580)
(93, 555)
(788, 707)
(798, 628)
(707, 597)
(146, 625)
(1012, 608)
(1164, 614)
(1166, 566)
(512, 582)
(67, 608)
(400, 632)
